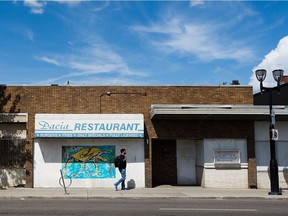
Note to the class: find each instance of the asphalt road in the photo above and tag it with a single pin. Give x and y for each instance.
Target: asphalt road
(144, 206)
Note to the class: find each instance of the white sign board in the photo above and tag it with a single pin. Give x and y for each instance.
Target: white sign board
(227, 159)
(227, 156)
(275, 134)
(89, 125)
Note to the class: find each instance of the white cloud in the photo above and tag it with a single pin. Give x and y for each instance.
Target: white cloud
(29, 34)
(194, 3)
(96, 58)
(101, 5)
(172, 26)
(37, 7)
(199, 39)
(49, 60)
(24, 31)
(276, 59)
(217, 70)
(69, 2)
(92, 63)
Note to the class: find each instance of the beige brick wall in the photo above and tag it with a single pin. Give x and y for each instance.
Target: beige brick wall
(217, 178)
(263, 180)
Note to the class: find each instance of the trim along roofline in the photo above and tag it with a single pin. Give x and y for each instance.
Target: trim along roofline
(216, 112)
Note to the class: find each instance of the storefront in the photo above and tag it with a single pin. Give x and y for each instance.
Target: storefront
(209, 136)
(213, 146)
(84, 147)
(12, 149)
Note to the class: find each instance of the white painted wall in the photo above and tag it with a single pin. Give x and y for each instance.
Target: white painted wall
(200, 162)
(186, 162)
(225, 177)
(212, 145)
(262, 145)
(48, 162)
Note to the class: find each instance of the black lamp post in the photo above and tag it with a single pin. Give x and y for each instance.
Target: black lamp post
(274, 176)
(126, 93)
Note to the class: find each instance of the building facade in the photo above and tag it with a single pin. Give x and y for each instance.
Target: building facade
(192, 135)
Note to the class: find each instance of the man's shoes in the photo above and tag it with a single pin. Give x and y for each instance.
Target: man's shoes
(124, 189)
(115, 186)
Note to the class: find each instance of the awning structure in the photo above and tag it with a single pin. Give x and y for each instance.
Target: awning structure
(217, 112)
(13, 117)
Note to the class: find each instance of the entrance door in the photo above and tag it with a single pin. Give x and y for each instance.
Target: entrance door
(186, 162)
(164, 162)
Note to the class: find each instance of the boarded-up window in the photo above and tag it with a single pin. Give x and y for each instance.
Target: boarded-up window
(12, 153)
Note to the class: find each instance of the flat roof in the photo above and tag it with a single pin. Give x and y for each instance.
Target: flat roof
(144, 85)
(216, 112)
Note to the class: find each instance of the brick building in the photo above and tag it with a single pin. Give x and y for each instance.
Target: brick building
(192, 134)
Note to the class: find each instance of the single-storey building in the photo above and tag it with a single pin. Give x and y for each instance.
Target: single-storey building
(209, 136)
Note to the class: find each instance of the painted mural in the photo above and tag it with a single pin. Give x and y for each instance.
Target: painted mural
(88, 162)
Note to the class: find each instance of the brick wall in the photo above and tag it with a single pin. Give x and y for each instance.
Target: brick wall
(86, 100)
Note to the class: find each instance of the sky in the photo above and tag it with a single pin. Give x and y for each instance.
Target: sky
(142, 42)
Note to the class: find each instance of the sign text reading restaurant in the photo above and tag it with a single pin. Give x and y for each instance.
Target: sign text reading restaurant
(90, 125)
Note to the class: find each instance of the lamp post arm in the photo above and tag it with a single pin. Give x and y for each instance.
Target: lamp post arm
(130, 93)
(268, 89)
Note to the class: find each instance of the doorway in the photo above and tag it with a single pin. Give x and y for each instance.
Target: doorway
(164, 162)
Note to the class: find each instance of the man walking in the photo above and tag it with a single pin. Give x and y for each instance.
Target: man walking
(122, 170)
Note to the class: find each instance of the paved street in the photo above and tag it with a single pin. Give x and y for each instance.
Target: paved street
(162, 200)
(142, 206)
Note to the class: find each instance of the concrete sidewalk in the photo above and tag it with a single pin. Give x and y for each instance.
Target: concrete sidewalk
(157, 192)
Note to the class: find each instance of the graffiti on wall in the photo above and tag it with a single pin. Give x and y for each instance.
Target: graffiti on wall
(92, 162)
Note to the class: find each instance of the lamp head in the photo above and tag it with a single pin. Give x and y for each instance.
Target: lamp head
(260, 74)
(278, 75)
(105, 93)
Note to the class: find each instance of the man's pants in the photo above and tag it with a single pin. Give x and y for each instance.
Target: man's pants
(122, 179)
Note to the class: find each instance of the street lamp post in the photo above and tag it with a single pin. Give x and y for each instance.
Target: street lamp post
(273, 166)
(126, 93)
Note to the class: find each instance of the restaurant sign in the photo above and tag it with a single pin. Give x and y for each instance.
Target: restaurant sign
(89, 125)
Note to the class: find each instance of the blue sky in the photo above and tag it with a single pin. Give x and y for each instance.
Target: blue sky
(141, 42)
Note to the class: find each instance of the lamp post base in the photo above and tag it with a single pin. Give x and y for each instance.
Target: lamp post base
(274, 175)
(274, 193)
